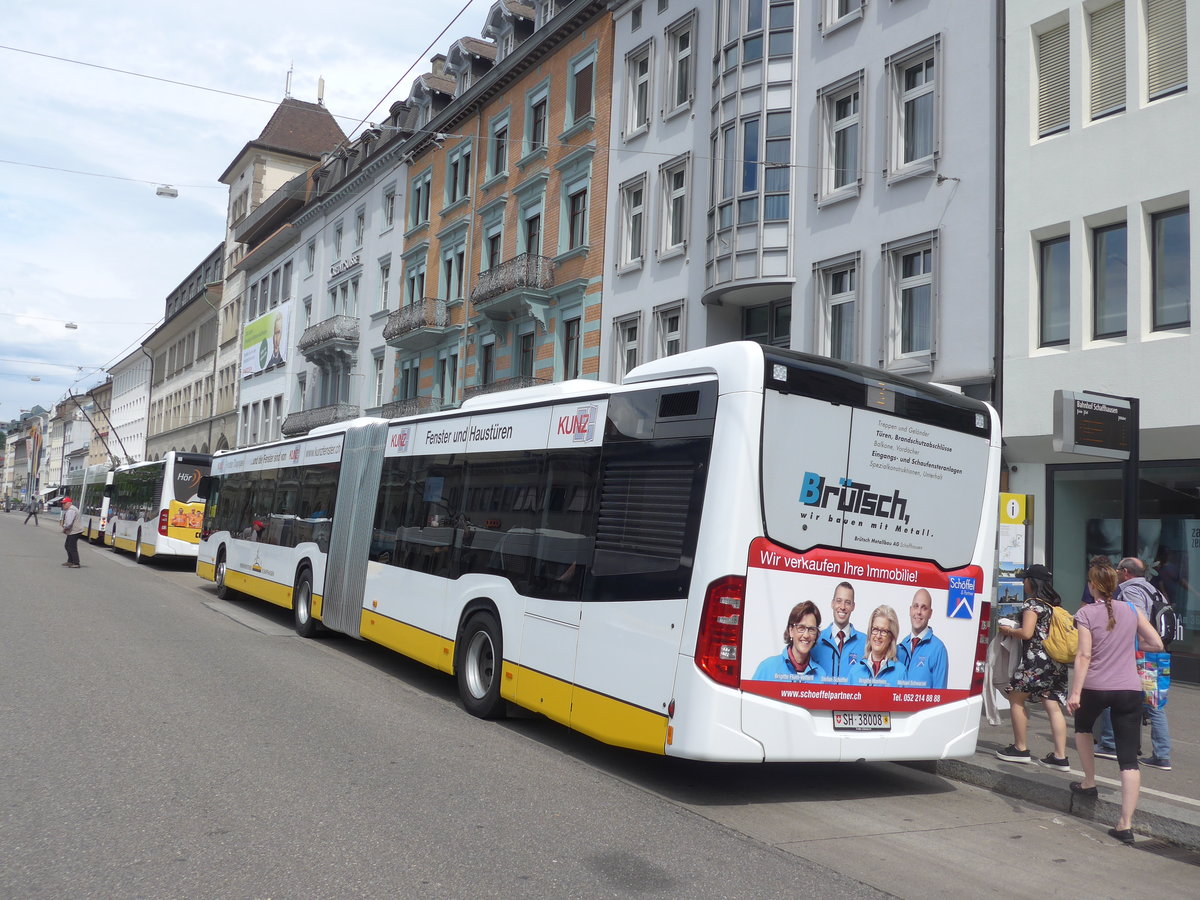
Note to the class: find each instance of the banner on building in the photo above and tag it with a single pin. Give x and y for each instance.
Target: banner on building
(265, 340)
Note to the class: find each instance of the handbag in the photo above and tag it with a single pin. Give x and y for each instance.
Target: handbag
(1154, 669)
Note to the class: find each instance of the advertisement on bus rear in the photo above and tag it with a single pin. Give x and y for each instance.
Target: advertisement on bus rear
(185, 509)
(832, 629)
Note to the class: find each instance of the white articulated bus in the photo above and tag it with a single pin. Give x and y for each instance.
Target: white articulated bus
(154, 509)
(625, 558)
(93, 502)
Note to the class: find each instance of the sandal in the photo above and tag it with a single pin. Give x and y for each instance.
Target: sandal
(1078, 788)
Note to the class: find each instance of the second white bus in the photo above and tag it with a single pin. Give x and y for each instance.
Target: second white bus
(154, 508)
(624, 558)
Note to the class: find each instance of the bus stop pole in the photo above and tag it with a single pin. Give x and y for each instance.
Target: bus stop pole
(1131, 493)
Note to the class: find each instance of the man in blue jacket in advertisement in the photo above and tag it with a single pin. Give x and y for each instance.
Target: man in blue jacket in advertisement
(840, 646)
(922, 652)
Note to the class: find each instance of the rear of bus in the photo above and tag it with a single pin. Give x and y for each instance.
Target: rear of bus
(835, 479)
(181, 513)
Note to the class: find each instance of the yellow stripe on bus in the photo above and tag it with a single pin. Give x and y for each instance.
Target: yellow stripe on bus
(206, 571)
(279, 594)
(537, 691)
(423, 646)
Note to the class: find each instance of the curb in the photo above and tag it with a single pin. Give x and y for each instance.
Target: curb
(1154, 818)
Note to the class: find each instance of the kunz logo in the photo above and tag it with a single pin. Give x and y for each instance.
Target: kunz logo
(581, 426)
(850, 497)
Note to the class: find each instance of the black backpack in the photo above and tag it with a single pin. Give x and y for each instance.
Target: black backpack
(1164, 618)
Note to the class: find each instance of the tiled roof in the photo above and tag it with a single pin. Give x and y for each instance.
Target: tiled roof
(485, 49)
(307, 129)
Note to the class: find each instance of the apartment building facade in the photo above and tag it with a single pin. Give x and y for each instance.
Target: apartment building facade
(1100, 269)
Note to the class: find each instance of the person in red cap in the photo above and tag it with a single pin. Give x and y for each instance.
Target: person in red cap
(72, 526)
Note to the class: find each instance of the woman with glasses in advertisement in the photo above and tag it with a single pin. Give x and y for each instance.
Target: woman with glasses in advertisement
(795, 662)
(879, 665)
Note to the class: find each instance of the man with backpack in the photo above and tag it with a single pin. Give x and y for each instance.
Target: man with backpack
(1132, 587)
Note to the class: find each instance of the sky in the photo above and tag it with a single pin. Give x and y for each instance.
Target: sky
(84, 238)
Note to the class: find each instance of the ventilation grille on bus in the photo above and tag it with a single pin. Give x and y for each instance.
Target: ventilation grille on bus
(684, 403)
(644, 508)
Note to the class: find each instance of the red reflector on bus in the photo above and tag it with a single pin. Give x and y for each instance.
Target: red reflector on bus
(719, 642)
(981, 648)
(162, 522)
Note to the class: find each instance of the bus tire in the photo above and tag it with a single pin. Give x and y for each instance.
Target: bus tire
(138, 556)
(479, 665)
(224, 591)
(306, 625)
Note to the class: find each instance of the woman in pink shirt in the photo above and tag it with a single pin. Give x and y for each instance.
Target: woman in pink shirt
(1106, 677)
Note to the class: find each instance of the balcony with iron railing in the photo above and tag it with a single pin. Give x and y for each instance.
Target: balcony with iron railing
(419, 325)
(332, 340)
(506, 291)
(504, 384)
(398, 409)
(305, 420)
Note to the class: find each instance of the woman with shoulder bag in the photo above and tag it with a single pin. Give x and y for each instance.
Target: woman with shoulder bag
(1037, 675)
(1106, 677)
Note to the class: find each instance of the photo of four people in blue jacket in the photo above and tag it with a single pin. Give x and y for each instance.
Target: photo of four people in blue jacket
(876, 655)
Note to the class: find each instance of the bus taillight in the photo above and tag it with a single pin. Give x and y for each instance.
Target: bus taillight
(162, 522)
(719, 643)
(981, 648)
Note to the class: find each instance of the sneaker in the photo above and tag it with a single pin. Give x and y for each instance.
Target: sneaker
(1012, 754)
(72, 565)
(1106, 753)
(1124, 835)
(1050, 761)
(1155, 762)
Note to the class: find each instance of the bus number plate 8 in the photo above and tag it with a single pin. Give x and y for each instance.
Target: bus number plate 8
(862, 721)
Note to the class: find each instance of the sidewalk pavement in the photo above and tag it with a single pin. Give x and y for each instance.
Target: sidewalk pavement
(1169, 806)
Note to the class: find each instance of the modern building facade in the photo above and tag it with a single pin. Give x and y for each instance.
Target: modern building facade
(1100, 270)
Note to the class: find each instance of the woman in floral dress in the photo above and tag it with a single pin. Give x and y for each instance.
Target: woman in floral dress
(1037, 676)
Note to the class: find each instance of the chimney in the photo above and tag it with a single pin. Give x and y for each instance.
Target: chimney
(438, 62)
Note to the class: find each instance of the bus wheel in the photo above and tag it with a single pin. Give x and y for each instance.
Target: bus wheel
(479, 664)
(223, 590)
(306, 625)
(137, 551)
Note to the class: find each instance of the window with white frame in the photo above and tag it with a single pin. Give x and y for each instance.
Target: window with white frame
(360, 228)
(531, 233)
(674, 179)
(840, 12)
(458, 173)
(1110, 279)
(389, 208)
(633, 218)
(377, 382)
(498, 155)
(1054, 80)
(628, 346)
(337, 240)
(580, 88)
(1054, 291)
(307, 311)
(841, 139)
(638, 90)
(493, 245)
(453, 261)
(310, 258)
(385, 278)
(572, 346)
(537, 110)
(837, 283)
(914, 143)
(525, 353)
(544, 11)
(1106, 43)
(1170, 268)
(681, 73)
(668, 321)
(912, 297)
(418, 212)
(487, 360)
(447, 377)
(1166, 47)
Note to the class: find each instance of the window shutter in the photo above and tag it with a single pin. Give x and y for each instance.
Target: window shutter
(1108, 60)
(1166, 46)
(1054, 80)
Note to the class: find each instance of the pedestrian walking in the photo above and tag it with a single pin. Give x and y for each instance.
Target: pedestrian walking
(1037, 676)
(1106, 677)
(31, 510)
(72, 526)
